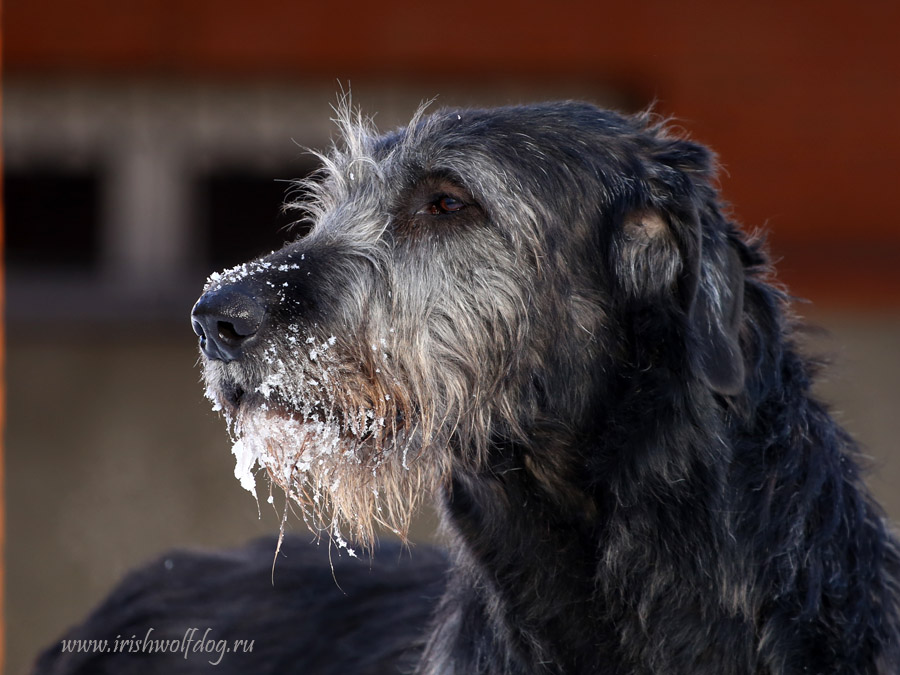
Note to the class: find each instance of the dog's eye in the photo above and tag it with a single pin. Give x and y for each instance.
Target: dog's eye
(442, 206)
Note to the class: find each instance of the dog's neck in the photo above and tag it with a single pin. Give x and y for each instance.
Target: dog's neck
(552, 569)
(525, 569)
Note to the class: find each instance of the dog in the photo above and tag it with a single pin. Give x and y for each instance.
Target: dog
(542, 317)
(229, 612)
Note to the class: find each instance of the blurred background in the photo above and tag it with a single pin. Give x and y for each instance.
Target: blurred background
(147, 143)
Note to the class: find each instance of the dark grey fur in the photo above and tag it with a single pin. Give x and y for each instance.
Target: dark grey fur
(541, 315)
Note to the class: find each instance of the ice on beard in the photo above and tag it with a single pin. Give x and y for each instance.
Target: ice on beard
(245, 456)
(286, 448)
(294, 432)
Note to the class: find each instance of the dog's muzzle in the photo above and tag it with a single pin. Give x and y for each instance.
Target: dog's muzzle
(227, 319)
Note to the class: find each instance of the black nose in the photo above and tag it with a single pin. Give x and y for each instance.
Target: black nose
(227, 320)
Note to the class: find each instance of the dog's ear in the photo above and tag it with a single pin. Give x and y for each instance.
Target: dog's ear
(678, 246)
(715, 312)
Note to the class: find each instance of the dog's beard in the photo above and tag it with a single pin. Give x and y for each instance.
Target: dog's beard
(340, 482)
(351, 463)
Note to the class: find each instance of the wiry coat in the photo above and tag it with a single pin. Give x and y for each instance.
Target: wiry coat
(588, 363)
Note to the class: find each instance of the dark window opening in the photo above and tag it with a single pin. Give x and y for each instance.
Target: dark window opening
(243, 215)
(52, 219)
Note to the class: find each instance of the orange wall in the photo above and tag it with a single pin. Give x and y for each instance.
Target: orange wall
(800, 99)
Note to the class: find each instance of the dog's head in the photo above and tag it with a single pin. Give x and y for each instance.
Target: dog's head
(467, 281)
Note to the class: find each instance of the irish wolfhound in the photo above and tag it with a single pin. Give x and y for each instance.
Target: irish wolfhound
(541, 316)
